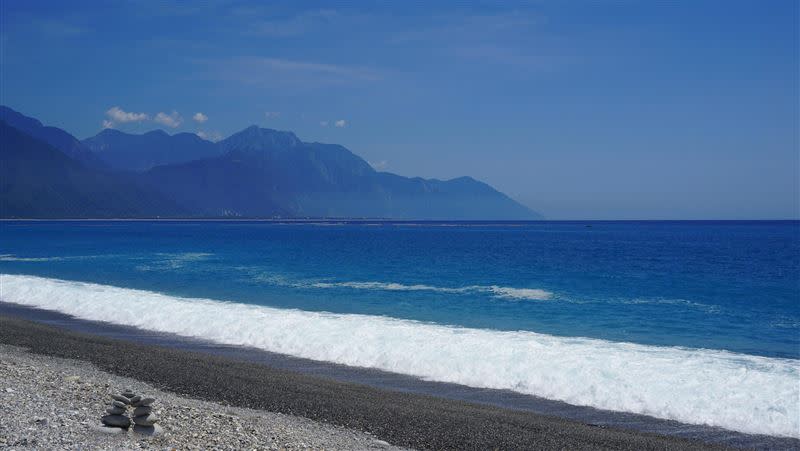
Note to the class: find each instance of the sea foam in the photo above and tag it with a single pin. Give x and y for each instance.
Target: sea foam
(735, 391)
(530, 294)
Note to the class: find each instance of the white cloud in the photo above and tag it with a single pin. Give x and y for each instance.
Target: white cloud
(200, 117)
(379, 165)
(341, 123)
(272, 114)
(173, 120)
(118, 115)
(210, 136)
(108, 124)
(323, 123)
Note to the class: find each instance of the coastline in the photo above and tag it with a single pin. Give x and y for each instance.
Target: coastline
(403, 419)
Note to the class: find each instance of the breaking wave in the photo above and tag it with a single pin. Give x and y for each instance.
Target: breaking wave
(736, 391)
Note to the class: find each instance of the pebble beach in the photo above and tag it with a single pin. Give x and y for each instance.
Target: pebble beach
(53, 403)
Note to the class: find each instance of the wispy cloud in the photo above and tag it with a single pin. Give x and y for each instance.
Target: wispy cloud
(199, 117)
(332, 70)
(285, 72)
(456, 27)
(173, 120)
(107, 124)
(271, 114)
(341, 123)
(536, 59)
(294, 25)
(119, 115)
(514, 38)
(323, 123)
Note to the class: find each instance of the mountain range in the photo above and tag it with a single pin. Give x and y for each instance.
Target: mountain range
(257, 172)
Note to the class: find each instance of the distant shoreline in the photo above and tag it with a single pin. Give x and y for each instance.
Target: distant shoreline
(401, 221)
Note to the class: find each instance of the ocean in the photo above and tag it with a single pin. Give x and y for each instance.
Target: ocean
(697, 322)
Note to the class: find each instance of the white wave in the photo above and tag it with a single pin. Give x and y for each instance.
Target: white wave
(520, 293)
(708, 308)
(735, 391)
(498, 291)
(386, 286)
(168, 261)
(14, 258)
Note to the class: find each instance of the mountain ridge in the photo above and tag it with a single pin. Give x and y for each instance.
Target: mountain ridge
(262, 172)
(54, 136)
(140, 152)
(38, 180)
(323, 180)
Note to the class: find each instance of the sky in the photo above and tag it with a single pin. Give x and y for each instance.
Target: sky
(580, 109)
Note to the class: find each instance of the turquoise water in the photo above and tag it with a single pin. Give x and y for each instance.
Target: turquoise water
(721, 285)
(671, 319)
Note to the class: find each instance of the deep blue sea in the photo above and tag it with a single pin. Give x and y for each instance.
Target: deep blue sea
(693, 321)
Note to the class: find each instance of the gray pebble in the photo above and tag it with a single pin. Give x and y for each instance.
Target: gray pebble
(116, 410)
(145, 420)
(119, 404)
(147, 430)
(144, 402)
(121, 398)
(108, 430)
(117, 420)
(143, 410)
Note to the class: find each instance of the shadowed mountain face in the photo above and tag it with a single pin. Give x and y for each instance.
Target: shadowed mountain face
(56, 137)
(269, 172)
(39, 181)
(136, 153)
(257, 172)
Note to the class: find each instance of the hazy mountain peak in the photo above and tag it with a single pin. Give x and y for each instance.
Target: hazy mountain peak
(255, 138)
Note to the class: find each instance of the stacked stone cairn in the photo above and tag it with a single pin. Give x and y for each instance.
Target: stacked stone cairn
(144, 419)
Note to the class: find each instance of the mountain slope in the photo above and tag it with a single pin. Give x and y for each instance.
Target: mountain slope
(266, 172)
(136, 153)
(39, 181)
(56, 137)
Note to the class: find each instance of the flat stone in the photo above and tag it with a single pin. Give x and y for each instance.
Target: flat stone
(148, 430)
(119, 404)
(116, 410)
(136, 399)
(128, 393)
(145, 420)
(145, 402)
(121, 398)
(117, 420)
(143, 410)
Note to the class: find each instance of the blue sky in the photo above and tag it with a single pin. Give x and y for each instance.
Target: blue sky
(581, 109)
